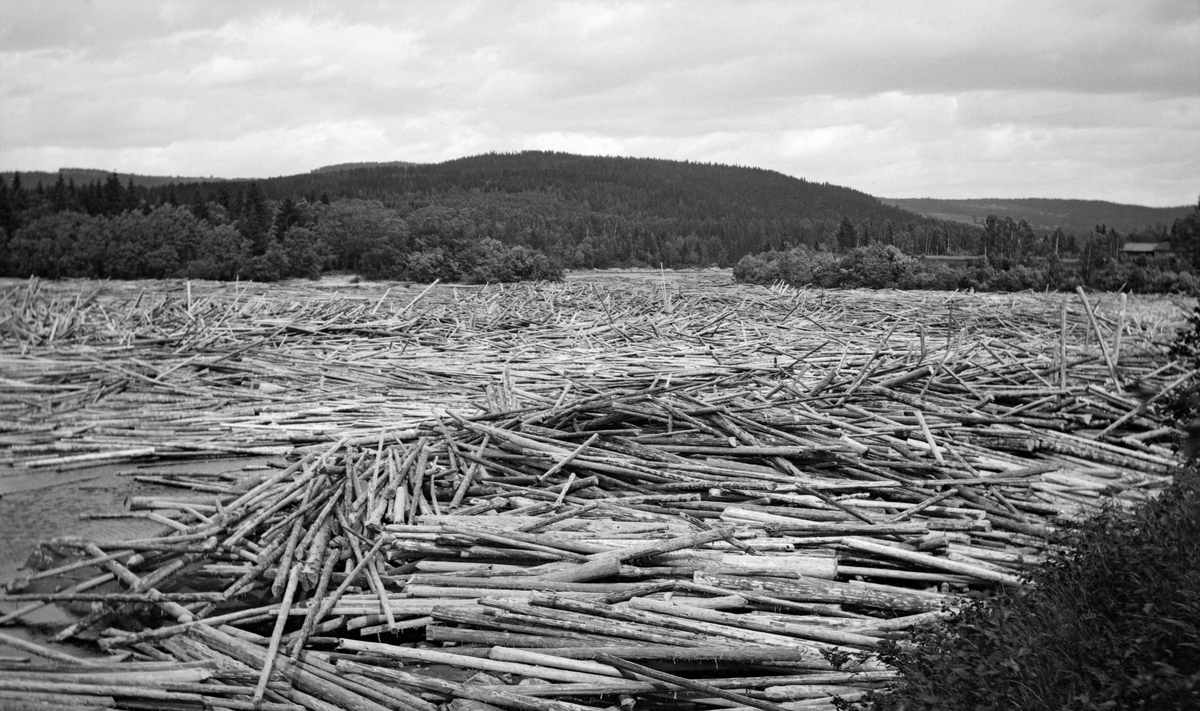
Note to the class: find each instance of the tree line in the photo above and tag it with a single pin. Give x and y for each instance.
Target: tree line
(499, 217)
(580, 212)
(1009, 257)
(111, 230)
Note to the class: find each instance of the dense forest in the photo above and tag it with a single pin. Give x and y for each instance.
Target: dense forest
(492, 217)
(536, 212)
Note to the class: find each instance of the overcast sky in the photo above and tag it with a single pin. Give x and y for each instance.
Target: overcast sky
(958, 99)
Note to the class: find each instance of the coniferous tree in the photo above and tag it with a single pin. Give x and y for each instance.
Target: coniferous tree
(9, 221)
(255, 221)
(1058, 241)
(847, 236)
(113, 195)
(286, 216)
(199, 207)
(19, 198)
(130, 196)
(58, 194)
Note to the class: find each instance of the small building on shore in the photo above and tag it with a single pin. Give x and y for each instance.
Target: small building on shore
(1147, 250)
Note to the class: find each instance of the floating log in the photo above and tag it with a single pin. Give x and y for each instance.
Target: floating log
(536, 476)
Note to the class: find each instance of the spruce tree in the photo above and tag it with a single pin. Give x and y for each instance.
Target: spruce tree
(8, 214)
(114, 199)
(847, 236)
(255, 222)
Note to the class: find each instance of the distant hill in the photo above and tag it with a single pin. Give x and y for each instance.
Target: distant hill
(1073, 216)
(584, 211)
(605, 210)
(356, 166)
(81, 176)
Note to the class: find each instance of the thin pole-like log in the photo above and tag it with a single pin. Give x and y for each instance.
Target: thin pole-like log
(285, 607)
(1112, 367)
(39, 650)
(689, 684)
(1062, 347)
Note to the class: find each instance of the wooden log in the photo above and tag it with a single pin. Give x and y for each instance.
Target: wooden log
(73, 590)
(606, 566)
(285, 606)
(136, 584)
(501, 696)
(690, 684)
(627, 686)
(597, 621)
(736, 564)
(540, 542)
(44, 701)
(301, 677)
(795, 692)
(428, 591)
(469, 662)
(527, 626)
(173, 677)
(930, 561)
(311, 619)
(41, 651)
(521, 583)
(89, 459)
(826, 591)
(539, 659)
(102, 690)
(563, 516)
(1108, 360)
(748, 622)
(652, 620)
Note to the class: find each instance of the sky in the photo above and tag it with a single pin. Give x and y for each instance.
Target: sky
(956, 99)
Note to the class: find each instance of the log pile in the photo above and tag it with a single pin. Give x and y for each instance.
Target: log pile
(560, 497)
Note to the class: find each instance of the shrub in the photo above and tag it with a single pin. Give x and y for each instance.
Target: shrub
(429, 265)
(306, 253)
(222, 255)
(63, 244)
(797, 266)
(876, 266)
(933, 275)
(497, 263)
(1113, 623)
(271, 265)
(757, 269)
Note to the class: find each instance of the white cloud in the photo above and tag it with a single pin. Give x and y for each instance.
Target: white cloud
(949, 99)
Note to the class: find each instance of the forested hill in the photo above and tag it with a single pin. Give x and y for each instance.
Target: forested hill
(599, 211)
(356, 166)
(490, 217)
(1073, 216)
(635, 187)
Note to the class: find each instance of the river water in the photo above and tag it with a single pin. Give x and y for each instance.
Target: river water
(38, 505)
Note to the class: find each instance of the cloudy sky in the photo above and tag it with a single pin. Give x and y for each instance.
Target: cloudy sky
(956, 99)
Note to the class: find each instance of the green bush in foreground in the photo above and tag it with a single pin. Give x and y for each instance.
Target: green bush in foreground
(1113, 623)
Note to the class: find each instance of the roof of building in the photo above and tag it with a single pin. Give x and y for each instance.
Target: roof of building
(1146, 247)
